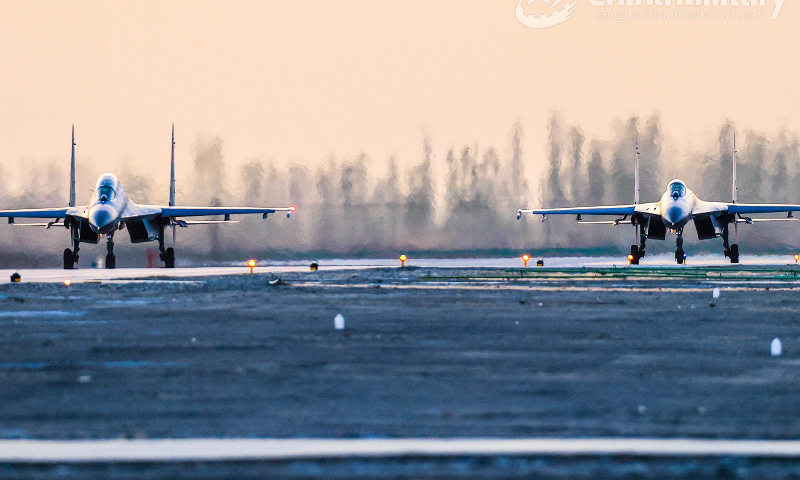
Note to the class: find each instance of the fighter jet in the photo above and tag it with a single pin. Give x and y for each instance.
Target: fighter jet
(677, 207)
(110, 210)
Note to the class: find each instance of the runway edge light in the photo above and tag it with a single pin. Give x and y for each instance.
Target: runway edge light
(403, 259)
(251, 264)
(525, 259)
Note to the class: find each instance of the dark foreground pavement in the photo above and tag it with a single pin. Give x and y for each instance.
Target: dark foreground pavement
(235, 357)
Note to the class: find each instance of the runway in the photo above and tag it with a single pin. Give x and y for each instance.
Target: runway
(506, 367)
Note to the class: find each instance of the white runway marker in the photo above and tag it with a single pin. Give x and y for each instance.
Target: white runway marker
(109, 451)
(716, 293)
(338, 322)
(776, 348)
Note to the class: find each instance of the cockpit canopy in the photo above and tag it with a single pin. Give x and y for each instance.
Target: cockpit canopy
(106, 186)
(677, 189)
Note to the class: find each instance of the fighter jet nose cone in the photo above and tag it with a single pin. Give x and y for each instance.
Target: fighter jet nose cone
(673, 215)
(103, 218)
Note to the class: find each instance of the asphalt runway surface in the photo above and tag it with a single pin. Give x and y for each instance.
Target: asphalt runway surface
(426, 353)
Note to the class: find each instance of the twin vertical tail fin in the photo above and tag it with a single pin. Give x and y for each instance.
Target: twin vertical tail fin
(636, 175)
(72, 172)
(172, 180)
(638, 229)
(734, 169)
(735, 192)
(172, 171)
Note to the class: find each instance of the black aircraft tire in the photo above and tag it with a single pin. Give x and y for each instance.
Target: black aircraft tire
(679, 257)
(635, 255)
(169, 258)
(69, 259)
(734, 253)
(111, 261)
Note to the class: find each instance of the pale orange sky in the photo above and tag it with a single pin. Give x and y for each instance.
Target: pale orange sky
(288, 80)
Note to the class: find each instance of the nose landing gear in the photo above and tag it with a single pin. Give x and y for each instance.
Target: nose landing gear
(111, 260)
(680, 255)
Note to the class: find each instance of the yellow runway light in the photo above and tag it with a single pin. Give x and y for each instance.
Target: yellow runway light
(403, 259)
(252, 265)
(525, 259)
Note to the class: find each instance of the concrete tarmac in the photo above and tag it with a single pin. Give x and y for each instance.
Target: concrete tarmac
(426, 353)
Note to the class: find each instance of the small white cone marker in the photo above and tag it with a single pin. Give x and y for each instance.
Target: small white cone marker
(776, 348)
(338, 322)
(716, 292)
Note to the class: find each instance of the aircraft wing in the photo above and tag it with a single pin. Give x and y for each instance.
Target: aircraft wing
(737, 208)
(42, 212)
(704, 208)
(601, 210)
(643, 208)
(205, 211)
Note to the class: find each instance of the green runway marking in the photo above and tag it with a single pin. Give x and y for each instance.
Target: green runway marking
(739, 273)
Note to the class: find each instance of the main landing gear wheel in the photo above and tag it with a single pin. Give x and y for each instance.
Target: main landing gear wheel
(169, 258)
(680, 257)
(70, 259)
(635, 255)
(733, 253)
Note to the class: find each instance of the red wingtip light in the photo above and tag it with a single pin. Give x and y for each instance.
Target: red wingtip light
(292, 208)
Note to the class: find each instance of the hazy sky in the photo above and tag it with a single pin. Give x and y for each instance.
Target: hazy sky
(290, 80)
